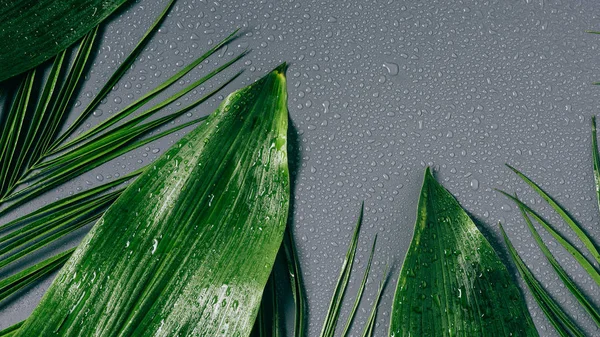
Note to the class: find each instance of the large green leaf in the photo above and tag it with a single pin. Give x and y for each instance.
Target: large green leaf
(35, 30)
(452, 282)
(188, 247)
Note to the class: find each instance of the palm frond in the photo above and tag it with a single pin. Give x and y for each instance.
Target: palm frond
(333, 313)
(361, 290)
(560, 320)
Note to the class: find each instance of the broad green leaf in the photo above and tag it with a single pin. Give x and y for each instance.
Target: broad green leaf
(35, 30)
(188, 247)
(452, 281)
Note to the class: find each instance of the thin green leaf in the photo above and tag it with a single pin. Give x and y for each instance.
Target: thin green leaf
(34, 31)
(296, 283)
(333, 313)
(14, 283)
(60, 107)
(106, 148)
(9, 142)
(567, 281)
(61, 205)
(370, 326)
(563, 214)
(563, 324)
(126, 130)
(188, 247)
(116, 76)
(574, 251)
(360, 292)
(596, 159)
(94, 161)
(452, 281)
(37, 119)
(144, 99)
(12, 330)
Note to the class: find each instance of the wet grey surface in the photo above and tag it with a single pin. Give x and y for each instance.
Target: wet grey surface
(378, 90)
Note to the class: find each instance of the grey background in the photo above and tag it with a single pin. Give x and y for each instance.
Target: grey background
(378, 90)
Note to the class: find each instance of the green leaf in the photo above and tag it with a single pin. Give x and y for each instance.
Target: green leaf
(333, 313)
(296, 283)
(370, 326)
(11, 331)
(188, 247)
(569, 247)
(564, 277)
(35, 30)
(452, 281)
(361, 290)
(18, 281)
(596, 159)
(117, 75)
(563, 214)
(563, 324)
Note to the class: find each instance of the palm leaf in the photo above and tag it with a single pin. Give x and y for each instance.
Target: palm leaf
(188, 247)
(333, 313)
(35, 30)
(563, 324)
(557, 317)
(452, 282)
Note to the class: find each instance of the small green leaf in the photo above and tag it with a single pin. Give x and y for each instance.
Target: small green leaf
(452, 281)
(188, 247)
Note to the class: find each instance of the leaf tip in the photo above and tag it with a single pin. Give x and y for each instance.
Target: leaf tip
(281, 69)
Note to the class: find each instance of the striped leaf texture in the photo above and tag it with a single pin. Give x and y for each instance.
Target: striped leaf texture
(452, 282)
(188, 247)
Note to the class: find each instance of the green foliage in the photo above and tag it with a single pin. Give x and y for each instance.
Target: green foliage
(452, 281)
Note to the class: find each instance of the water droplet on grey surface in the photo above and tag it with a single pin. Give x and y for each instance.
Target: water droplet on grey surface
(97, 113)
(99, 177)
(392, 68)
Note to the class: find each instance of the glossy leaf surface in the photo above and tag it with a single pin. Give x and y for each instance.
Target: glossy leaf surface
(188, 247)
(452, 281)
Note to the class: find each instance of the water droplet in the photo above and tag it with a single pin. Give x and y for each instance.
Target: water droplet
(475, 184)
(392, 68)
